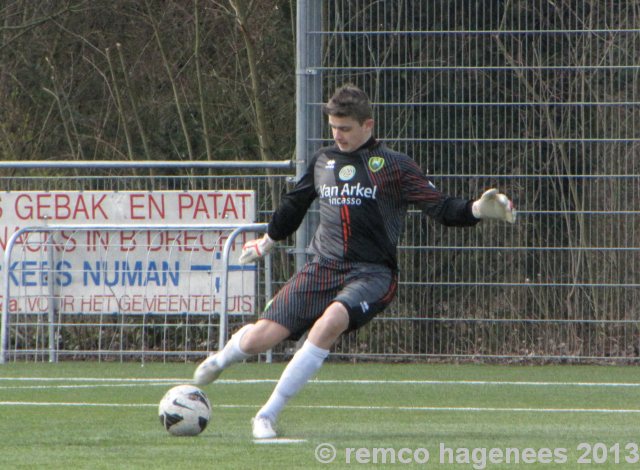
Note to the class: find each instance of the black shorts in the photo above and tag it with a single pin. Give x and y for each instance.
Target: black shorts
(364, 289)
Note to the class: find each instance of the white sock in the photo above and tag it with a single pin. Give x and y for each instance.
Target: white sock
(232, 353)
(304, 364)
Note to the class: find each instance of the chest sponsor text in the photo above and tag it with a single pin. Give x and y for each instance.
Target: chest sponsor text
(349, 194)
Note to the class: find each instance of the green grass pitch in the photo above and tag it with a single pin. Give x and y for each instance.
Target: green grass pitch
(104, 416)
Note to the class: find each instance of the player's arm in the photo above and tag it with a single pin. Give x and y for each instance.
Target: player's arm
(461, 212)
(449, 211)
(286, 218)
(453, 211)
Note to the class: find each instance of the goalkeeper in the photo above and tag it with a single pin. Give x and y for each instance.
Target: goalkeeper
(364, 189)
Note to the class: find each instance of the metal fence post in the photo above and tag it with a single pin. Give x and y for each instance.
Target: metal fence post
(308, 92)
(222, 334)
(51, 301)
(4, 331)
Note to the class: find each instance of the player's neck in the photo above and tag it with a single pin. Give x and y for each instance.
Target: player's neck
(370, 142)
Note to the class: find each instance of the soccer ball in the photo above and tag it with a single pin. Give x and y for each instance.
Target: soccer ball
(184, 411)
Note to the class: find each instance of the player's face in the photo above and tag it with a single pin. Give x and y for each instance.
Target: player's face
(348, 133)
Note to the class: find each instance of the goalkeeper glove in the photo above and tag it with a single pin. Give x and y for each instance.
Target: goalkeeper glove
(494, 205)
(254, 249)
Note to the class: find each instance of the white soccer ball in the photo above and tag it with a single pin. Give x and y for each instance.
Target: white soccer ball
(184, 411)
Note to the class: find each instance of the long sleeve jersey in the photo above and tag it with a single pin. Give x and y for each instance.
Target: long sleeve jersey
(363, 199)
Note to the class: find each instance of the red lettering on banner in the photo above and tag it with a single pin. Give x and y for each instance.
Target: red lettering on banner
(14, 306)
(127, 240)
(67, 303)
(205, 247)
(38, 241)
(5, 235)
(158, 207)
(172, 240)
(146, 206)
(37, 304)
(185, 201)
(212, 206)
(243, 203)
(182, 241)
(138, 303)
(154, 241)
(18, 208)
(80, 208)
(229, 208)
(68, 242)
(97, 239)
(95, 303)
(60, 207)
(190, 241)
(201, 208)
(97, 206)
(42, 206)
(134, 206)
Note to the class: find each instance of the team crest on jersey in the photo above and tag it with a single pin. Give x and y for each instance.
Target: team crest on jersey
(376, 164)
(347, 173)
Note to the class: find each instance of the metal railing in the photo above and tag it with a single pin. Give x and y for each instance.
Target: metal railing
(109, 333)
(234, 231)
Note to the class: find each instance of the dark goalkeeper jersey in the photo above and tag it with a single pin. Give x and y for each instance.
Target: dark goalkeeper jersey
(363, 198)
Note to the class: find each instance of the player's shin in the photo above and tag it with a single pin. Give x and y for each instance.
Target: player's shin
(302, 367)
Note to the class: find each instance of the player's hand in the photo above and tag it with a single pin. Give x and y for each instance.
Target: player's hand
(494, 205)
(254, 249)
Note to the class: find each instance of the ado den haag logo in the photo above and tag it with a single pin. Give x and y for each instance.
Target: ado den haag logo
(376, 164)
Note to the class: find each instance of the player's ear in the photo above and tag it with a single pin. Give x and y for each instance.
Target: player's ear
(368, 124)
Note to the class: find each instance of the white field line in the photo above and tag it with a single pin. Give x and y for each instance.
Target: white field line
(87, 379)
(134, 382)
(279, 440)
(169, 381)
(345, 407)
(63, 387)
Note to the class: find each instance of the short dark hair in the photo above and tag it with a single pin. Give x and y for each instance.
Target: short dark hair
(349, 101)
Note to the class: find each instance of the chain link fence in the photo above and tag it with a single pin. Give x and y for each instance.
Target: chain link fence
(539, 99)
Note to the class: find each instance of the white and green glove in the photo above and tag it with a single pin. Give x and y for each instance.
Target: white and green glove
(494, 205)
(254, 249)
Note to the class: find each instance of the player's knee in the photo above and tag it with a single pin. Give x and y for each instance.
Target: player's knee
(262, 337)
(252, 347)
(333, 322)
(252, 344)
